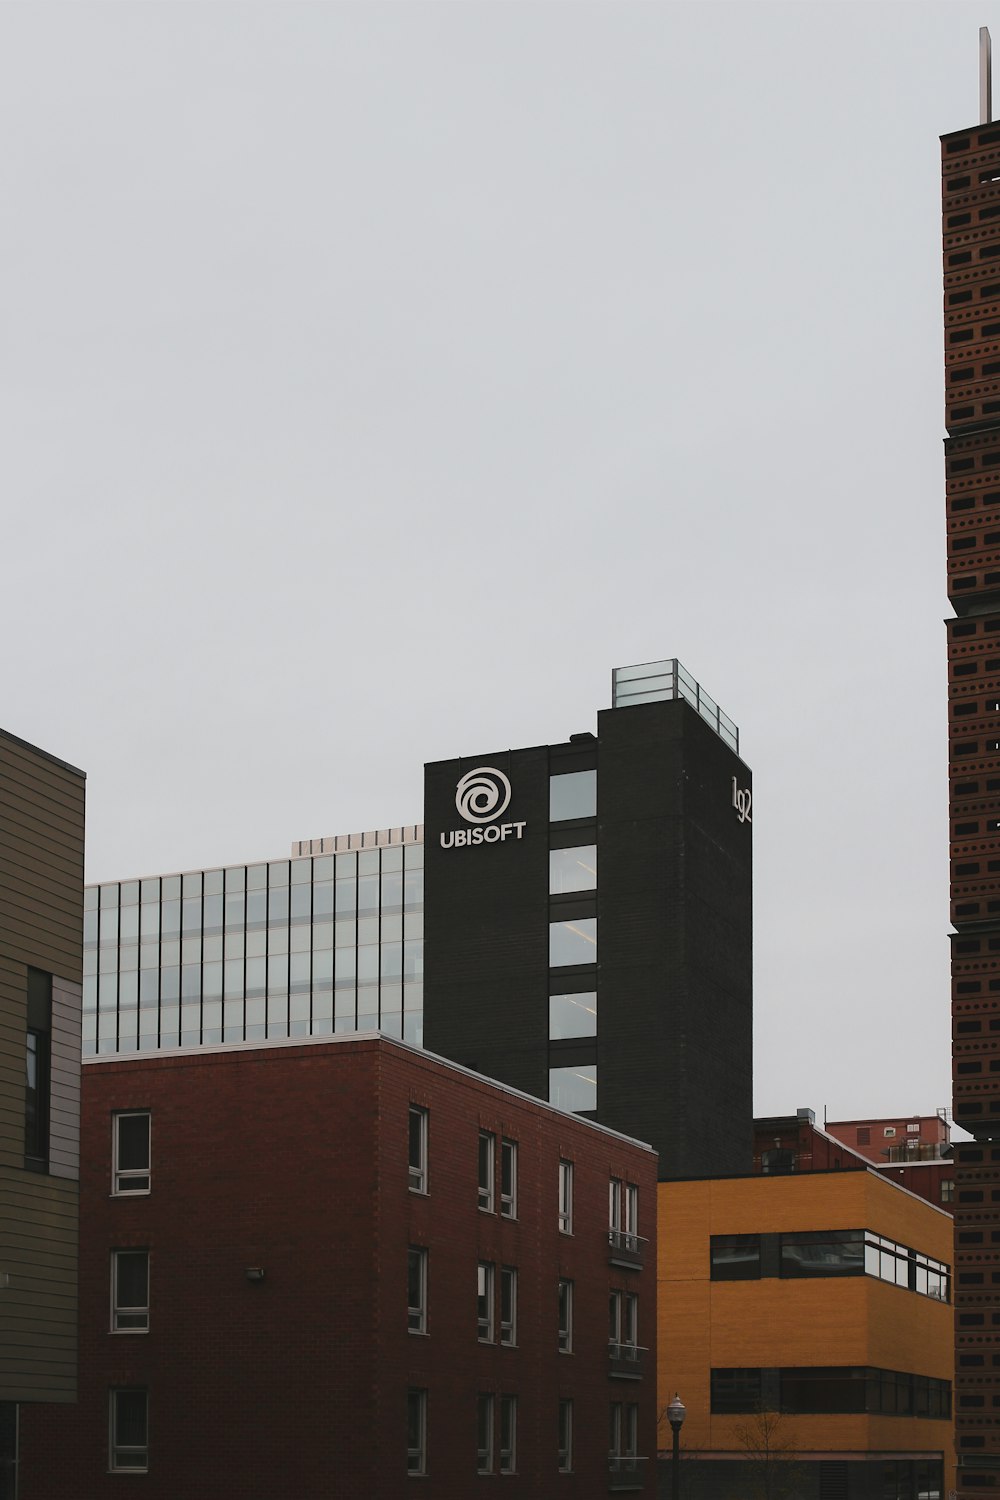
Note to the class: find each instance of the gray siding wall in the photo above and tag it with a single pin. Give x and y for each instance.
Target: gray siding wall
(64, 1111)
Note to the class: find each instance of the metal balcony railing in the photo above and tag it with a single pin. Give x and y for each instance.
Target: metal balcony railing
(654, 681)
(627, 1361)
(625, 1249)
(626, 1472)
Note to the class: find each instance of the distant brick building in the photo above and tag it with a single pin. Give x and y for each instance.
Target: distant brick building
(338, 1266)
(912, 1151)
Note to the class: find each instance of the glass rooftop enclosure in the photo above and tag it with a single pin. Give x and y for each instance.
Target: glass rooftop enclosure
(654, 681)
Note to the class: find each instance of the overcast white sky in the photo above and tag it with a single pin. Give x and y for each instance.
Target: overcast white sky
(376, 377)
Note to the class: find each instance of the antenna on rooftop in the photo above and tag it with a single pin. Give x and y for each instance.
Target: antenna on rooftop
(985, 77)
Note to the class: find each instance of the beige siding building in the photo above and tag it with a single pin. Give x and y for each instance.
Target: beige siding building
(41, 926)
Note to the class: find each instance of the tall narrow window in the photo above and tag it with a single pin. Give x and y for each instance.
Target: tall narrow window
(417, 1289)
(566, 1197)
(131, 1152)
(129, 1430)
(565, 1440)
(508, 1434)
(129, 1291)
(418, 1149)
(37, 1071)
(565, 1316)
(487, 1160)
(623, 1324)
(484, 1430)
(623, 1214)
(508, 1305)
(485, 1302)
(508, 1179)
(416, 1431)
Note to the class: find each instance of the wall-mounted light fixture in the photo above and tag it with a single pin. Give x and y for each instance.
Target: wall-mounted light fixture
(254, 1273)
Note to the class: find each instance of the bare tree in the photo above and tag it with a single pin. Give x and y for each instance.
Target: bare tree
(772, 1470)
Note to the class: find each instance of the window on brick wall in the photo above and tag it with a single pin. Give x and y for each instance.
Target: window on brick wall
(129, 1430)
(508, 1179)
(566, 1197)
(417, 1289)
(129, 1291)
(419, 1132)
(131, 1151)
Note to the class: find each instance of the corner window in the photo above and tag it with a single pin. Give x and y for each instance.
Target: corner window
(416, 1431)
(129, 1291)
(508, 1179)
(574, 1089)
(573, 942)
(573, 795)
(572, 1015)
(131, 1152)
(416, 1294)
(565, 1197)
(508, 1434)
(565, 1317)
(573, 869)
(508, 1305)
(129, 1435)
(485, 1302)
(418, 1149)
(487, 1153)
(565, 1440)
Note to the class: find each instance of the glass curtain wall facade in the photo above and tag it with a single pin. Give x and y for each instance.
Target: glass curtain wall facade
(290, 948)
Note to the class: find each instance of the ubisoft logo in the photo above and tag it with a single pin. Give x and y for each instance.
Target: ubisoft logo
(482, 794)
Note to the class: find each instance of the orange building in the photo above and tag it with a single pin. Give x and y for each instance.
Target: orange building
(811, 1313)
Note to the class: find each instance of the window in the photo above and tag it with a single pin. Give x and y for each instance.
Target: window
(565, 1197)
(573, 795)
(573, 942)
(37, 1071)
(833, 1252)
(889, 1130)
(485, 1309)
(623, 1437)
(131, 1152)
(508, 1305)
(416, 1431)
(573, 869)
(565, 1436)
(565, 1316)
(129, 1291)
(508, 1434)
(484, 1429)
(623, 1324)
(572, 1015)
(735, 1257)
(418, 1150)
(574, 1089)
(416, 1294)
(913, 1128)
(508, 1179)
(623, 1215)
(947, 1190)
(129, 1435)
(487, 1152)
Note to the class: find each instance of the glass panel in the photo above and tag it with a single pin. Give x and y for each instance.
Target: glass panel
(573, 942)
(573, 1088)
(573, 869)
(573, 1015)
(573, 795)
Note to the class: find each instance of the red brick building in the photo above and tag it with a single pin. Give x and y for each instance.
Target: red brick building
(913, 1151)
(345, 1266)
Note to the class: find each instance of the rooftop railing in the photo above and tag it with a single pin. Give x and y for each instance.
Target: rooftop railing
(657, 681)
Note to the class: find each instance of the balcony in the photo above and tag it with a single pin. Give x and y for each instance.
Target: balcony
(626, 1361)
(654, 681)
(625, 1249)
(626, 1472)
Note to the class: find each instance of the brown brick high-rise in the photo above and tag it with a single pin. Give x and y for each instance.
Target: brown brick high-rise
(971, 203)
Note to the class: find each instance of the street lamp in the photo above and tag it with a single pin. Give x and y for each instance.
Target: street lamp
(676, 1412)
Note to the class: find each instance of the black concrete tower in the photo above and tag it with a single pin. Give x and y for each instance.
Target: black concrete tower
(588, 920)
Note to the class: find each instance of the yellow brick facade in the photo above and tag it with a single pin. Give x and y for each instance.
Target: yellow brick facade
(772, 1322)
